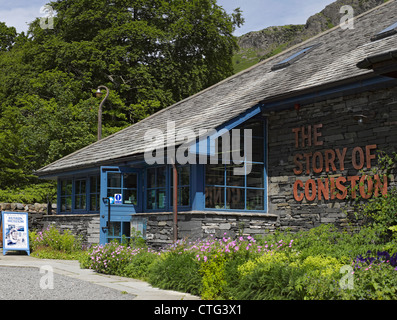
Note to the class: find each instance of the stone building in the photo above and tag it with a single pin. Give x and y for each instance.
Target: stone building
(302, 132)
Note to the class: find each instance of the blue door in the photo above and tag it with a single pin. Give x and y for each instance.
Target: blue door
(121, 190)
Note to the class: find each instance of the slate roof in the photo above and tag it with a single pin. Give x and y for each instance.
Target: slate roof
(332, 61)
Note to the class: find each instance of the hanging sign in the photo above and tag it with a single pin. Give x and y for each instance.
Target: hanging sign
(15, 231)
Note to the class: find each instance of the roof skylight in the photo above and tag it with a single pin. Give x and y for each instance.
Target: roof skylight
(389, 31)
(288, 61)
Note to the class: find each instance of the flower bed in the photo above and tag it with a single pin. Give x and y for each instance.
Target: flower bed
(310, 265)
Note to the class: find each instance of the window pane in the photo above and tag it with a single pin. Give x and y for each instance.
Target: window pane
(115, 229)
(255, 199)
(126, 229)
(79, 186)
(256, 177)
(258, 152)
(130, 197)
(215, 197)
(215, 175)
(151, 199)
(256, 127)
(114, 180)
(94, 203)
(80, 202)
(94, 185)
(235, 198)
(66, 204)
(112, 192)
(185, 176)
(183, 196)
(160, 177)
(66, 187)
(151, 178)
(130, 180)
(160, 199)
(232, 179)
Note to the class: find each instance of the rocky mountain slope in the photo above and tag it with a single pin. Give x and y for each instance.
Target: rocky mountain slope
(259, 45)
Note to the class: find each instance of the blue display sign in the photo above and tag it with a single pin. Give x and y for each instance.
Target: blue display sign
(15, 231)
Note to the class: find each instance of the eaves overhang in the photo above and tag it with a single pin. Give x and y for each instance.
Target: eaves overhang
(384, 64)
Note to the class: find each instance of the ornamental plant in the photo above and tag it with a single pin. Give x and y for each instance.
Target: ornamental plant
(52, 239)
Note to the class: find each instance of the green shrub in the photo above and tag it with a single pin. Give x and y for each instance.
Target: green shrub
(139, 265)
(213, 278)
(52, 239)
(269, 277)
(176, 270)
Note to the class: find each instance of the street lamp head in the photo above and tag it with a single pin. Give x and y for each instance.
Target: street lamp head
(98, 93)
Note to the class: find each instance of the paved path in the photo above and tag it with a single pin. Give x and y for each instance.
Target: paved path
(92, 282)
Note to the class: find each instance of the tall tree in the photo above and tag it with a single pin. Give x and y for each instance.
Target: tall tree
(150, 53)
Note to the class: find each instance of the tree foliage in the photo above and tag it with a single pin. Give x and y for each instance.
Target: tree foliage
(150, 53)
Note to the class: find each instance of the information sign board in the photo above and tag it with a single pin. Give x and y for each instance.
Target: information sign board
(15, 231)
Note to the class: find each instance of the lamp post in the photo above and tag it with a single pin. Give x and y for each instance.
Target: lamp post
(99, 94)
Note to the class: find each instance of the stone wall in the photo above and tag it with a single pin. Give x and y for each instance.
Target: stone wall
(84, 226)
(22, 207)
(334, 126)
(202, 225)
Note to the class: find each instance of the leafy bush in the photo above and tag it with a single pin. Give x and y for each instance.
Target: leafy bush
(176, 270)
(52, 239)
(138, 267)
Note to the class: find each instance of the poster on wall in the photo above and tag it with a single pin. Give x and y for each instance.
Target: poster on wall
(15, 232)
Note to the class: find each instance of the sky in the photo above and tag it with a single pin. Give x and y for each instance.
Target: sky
(258, 14)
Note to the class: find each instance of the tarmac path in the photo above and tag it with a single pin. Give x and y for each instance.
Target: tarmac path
(26, 278)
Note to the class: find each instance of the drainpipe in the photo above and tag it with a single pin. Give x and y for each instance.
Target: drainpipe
(175, 202)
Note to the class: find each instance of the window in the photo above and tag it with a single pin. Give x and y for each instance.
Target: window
(183, 186)
(226, 190)
(80, 194)
(156, 188)
(66, 195)
(288, 61)
(389, 31)
(119, 231)
(125, 184)
(95, 190)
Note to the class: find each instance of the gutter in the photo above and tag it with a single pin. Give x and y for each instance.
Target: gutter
(384, 64)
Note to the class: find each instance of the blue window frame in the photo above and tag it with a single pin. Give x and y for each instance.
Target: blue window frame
(156, 187)
(183, 186)
(124, 183)
(389, 31)
(95, 191)
(79, 194)
(66, 194)
(224, 190)
(119, 231)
